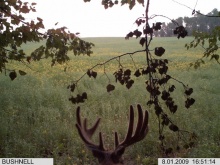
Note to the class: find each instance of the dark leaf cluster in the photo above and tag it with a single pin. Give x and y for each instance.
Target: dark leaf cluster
(136, 33)
(173, 127)
(137, 73)
(72, 87)
(180, 31)
(92, 73)
(109, 3)
(148, 30)
(79, 98)
(171, 104)
(110, 87)
(13, 74)
(163, 80)
(140, 21)
(159, 51)
(152, 89)
(189, 101)
(158, 65)
(157, 26)
(124, 77)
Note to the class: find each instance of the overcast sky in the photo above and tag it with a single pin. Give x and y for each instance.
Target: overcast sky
(92, 20)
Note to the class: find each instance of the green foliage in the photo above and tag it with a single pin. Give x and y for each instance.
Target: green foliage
(206, 32)
(17, 31)
(209, 42)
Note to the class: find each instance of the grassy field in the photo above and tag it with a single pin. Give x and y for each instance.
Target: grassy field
(37, 120)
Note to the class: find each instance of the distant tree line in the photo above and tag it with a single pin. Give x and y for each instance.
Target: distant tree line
(191, 24)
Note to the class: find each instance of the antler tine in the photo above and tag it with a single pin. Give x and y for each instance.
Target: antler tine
(140, 132)
(86, 133)
(142, 125)
(130, 125)
(140, 120)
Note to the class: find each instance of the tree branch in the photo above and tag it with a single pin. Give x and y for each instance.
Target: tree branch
(111, 59)
(193, 10)
(173, 21)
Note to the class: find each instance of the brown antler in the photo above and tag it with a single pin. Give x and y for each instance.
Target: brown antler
(140, 132)
(86, 134)
(113, 157)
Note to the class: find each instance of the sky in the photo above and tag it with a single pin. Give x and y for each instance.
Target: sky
(92, 20)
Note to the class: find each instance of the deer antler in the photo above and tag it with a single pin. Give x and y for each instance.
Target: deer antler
(113, 157)
(140, 132)
(86, 134)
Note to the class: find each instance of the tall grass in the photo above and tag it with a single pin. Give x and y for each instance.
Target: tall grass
(37, 120)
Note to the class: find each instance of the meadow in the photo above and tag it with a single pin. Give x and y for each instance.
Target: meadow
(37, 119)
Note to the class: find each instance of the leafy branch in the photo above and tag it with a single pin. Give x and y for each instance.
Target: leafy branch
(203, 39)
(13, 34)
(157, 82)
(92, 73)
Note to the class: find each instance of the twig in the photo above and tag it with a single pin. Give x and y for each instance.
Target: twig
(178, 81)
(156, 15)
(195, 10)
(133, 62)
(114, 58)
(106, 74)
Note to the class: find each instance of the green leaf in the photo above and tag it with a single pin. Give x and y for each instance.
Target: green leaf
(22, 73)
(72, 87)
(127, 72)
